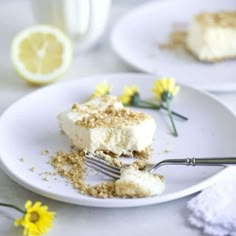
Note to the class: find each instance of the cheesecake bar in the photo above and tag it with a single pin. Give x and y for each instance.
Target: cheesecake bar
(212, 36)
(137, 183)
(104, 124)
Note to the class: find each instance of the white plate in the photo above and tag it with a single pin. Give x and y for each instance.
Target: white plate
(29, 126)
(136, 38)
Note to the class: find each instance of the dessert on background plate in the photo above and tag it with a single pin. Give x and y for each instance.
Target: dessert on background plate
(212, 36)
(104, 124)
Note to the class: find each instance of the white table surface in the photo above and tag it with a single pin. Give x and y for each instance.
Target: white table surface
(162, 219)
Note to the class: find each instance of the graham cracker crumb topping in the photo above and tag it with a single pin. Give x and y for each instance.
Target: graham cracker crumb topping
(222, 19)
(106, 112)
(112, 118)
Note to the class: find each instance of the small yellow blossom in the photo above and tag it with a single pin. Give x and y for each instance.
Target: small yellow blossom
(128, 94)
(164, 86)
(37, 220)
(164, 90)
(101, 90)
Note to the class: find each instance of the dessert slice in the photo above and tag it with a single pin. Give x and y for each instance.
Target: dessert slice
(104, 124)
(212, 36)
(137, 183)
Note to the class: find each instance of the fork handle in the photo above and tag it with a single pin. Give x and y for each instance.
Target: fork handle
(225, 161)
(222, 161)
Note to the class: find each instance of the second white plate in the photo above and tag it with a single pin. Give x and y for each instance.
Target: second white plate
(30, 126)
(137, 36)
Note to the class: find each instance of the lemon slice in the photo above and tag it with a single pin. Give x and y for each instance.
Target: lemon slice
(41, 54)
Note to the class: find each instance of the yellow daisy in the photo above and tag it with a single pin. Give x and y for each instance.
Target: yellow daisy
(37, 220)
(101, 90)
(129, 92)
(165, 87)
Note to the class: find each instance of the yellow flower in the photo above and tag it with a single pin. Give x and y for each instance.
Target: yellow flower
(128, 94)
(165, 86)
(164, 90)
(101, 90)
(37, 220)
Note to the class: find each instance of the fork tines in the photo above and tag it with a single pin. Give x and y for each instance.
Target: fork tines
(102, 166)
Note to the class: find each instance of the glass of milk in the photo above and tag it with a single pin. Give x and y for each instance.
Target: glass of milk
(84, 21)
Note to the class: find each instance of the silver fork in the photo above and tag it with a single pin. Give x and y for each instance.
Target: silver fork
(101, 166)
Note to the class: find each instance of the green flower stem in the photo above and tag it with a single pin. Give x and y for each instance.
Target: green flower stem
(155, 106)
(150, 104)
(171, 118)
(12, 206)
(175, 113)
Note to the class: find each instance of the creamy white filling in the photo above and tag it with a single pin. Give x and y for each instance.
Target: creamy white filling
(136, 183)
(117, 140)
(209, 43)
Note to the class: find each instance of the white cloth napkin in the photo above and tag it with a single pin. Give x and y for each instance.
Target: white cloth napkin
(214, 209)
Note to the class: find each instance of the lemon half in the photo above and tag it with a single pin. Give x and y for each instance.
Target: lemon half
(41, 54)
